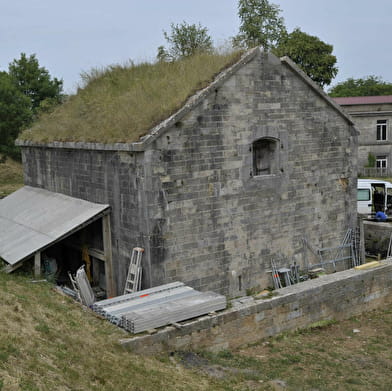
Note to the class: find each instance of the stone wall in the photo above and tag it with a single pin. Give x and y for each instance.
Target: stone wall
(368, 143)
(191, 197)
(217, 225)
(365, 118)
(332, 297)
(377, 236)
(113, 178)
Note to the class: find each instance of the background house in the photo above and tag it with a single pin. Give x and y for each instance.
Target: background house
(373, 117)
(239, 175)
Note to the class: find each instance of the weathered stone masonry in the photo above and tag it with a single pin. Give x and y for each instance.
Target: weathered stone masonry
(190, 196)
(99, 176)
(334, 297)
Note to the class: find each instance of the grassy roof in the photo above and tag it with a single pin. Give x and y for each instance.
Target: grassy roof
(122, 103)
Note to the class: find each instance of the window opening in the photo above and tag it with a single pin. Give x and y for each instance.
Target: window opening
(265, 156)
(381, 130)
(381, 162)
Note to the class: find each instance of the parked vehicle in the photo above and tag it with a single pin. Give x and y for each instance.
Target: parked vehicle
(374, 196)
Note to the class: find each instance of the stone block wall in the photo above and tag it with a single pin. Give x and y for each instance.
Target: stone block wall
(217, 225)
(365, 118)
(191, 197)
(113, 178)
(377, 237)
(367, 139)
(332, 297)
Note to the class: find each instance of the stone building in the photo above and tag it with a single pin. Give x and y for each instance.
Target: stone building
(373, 117)
(246, 169)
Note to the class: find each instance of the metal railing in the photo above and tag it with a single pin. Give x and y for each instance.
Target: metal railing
(376, 172)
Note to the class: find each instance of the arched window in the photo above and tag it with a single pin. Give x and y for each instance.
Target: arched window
(265, 156)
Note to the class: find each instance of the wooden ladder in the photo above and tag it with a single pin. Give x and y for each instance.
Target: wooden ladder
(134, 277)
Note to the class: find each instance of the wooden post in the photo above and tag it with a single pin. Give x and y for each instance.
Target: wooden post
(107, 249)
(37, 264)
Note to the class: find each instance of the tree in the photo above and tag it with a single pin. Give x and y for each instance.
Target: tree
(34, 81)
(25, 91)
(185, 40)
(311, 54)
(15, 113)
(260, 24)
(368, 86)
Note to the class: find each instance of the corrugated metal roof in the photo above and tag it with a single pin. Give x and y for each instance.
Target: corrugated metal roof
(363, 100)
(31, 219)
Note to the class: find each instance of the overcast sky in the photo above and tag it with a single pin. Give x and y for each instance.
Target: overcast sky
(69, 37)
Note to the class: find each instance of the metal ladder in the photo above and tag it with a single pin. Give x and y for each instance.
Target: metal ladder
(356, 246)
(134, 277)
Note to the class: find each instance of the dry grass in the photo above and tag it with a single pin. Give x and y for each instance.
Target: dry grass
(353, 354)
(121, 103)
(11, 177)
(48, 342)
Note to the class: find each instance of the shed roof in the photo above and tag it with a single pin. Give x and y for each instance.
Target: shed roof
(31, 219)
(363, 100)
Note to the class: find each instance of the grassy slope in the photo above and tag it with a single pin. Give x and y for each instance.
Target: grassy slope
(11, 177)
(354, 354)
(121, 103)
(48, 342)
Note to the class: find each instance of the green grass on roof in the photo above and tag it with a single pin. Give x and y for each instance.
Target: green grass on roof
(122, 103)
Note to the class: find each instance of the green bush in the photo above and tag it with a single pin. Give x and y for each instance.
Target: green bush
(371, 160)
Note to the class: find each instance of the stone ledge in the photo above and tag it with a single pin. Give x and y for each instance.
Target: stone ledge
(127, 147)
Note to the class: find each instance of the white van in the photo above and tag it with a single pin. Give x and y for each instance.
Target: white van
(374, 196)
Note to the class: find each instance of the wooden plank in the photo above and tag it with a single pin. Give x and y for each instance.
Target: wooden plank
(107, 249)
(96, 253)
(10, 268)
(93, 252)
(37, 264)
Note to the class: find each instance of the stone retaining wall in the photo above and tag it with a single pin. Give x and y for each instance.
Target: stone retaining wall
(377, 237)
(335, 296)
